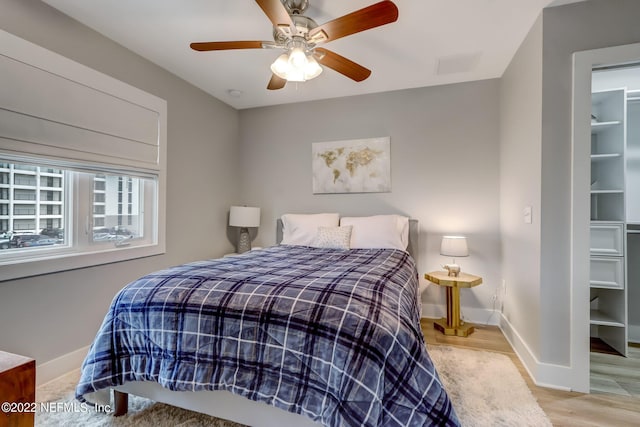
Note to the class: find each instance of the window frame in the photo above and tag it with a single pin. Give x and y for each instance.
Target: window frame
(79, 249)
(95, 84)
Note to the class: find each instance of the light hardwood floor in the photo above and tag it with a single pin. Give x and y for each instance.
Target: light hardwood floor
(562, 408)
(611, 373)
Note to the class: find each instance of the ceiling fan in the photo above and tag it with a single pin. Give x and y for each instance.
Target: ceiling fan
(300, 36)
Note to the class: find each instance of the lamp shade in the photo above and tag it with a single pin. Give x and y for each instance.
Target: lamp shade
(454, 246)
(244, 216)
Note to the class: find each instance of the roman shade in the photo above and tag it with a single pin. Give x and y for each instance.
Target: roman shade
(54, 108)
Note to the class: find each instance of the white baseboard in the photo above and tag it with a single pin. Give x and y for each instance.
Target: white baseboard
(548, 375)
(481, 316)
(59, 366)
(634, 333)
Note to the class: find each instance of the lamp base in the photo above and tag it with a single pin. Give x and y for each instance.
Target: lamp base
(244, 241)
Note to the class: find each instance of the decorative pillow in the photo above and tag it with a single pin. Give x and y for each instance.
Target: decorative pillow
(378, 231)
(333, 237)
(302, 229)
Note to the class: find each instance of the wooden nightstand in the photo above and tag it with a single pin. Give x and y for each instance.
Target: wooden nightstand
(453, 325)
(17, 385)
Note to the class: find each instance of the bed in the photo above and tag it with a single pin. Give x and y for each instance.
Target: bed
(290, 335)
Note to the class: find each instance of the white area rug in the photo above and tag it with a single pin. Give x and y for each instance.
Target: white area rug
(486, 390)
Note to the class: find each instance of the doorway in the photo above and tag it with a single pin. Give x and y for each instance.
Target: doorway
(605, 225)
(615, 207)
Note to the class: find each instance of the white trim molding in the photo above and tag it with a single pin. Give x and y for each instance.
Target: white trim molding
(547, 375)
(583, 64)
(479, 316)
(49, 371)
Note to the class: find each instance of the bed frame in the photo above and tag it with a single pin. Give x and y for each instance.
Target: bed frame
(224, 404)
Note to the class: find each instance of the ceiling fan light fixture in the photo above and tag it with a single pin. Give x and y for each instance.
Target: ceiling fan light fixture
(295, 75)
(297, 58)
(280, 66)
(296, 66)
(312, 69)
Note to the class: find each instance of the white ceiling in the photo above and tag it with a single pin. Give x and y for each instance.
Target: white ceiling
(480, 36)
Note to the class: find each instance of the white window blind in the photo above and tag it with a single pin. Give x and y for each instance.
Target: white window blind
(52, 107)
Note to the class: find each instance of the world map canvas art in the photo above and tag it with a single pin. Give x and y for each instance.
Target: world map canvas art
(352, 166)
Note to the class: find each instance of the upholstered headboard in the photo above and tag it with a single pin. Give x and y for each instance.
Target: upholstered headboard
(412, 248)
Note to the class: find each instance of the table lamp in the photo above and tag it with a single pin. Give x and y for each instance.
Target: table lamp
(453, 246)
(244, 217)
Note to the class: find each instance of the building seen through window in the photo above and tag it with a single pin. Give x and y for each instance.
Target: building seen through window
(36, 207)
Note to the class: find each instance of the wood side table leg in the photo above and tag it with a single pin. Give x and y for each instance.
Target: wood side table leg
(453, 307)
(449, 308)
(453, 324)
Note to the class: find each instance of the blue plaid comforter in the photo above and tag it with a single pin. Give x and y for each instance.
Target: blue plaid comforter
(330, 334)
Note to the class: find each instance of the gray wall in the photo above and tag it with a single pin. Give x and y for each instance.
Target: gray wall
(49, 316)
(444, 166)
(536, 120)
(520, 166)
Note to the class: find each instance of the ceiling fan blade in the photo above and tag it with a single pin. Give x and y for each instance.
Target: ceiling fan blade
(378, 14)
(207, 46)
(277, 13)
(341, 64)
(276, 82)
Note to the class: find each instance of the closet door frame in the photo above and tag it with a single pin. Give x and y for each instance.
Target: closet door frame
(583, 64)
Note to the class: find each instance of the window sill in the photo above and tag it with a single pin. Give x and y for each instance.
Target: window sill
(65, 261)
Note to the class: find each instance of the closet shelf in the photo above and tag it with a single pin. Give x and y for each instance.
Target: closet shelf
(596, 157)
(610, 191)
(603, 319)
(602, 126)
(601, 284)
(609, 185)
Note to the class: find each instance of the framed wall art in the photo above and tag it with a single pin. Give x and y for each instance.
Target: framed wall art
(352, 166)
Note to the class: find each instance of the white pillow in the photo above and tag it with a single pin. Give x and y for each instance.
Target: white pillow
(333, 237)
(378, 231)
(302, 229)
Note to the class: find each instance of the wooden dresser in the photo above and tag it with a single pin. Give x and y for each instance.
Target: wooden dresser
(17, 386)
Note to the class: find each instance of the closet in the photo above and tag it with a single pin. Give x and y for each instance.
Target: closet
(615, 208)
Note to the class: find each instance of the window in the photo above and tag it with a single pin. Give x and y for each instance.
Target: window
(42, 224)
(109, 221)
(24, 194)
(82, 165)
